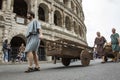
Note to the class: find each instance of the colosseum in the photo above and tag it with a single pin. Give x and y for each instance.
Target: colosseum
(60, 19)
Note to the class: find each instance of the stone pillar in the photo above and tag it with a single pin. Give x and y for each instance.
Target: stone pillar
(80, 1)
(30, 5)
(36, 9)
(49, 18)
(72, 24)
(8, 4)
(77, 30)
(63, 20)
(82, 16)
(4, 5)
(69, 4)
(75, 9)
(12, 5)
(61, 1)
(52, 17)
(51, 14)
(79, 13)
(5, 33)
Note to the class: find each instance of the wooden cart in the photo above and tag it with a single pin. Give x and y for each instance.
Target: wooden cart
(108, 52)
(67, 50)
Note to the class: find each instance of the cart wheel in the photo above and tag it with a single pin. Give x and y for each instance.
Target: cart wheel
(85, 58)
(65, 61)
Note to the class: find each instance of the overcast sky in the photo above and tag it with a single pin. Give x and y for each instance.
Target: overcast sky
(101, 15)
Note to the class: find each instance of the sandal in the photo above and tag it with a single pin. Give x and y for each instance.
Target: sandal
(29, 70)
(37, 69)
(103, 62)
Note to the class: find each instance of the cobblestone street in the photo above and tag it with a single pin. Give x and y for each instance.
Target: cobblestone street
(49, 71)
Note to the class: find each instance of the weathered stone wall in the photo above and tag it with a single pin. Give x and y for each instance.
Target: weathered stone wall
(71, 10)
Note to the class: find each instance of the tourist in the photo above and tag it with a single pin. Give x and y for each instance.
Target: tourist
(99, 42)
(34, 35)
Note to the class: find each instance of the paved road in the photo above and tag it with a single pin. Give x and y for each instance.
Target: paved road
(49, 71)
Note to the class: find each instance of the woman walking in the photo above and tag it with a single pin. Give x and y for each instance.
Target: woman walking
(115, 42)
(99, 42)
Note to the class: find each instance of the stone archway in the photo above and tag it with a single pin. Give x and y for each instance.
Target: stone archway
(77, 11)
(67, 23)
(15, 43)
(75, 28)
(57, 18)
(1, 4)
(66, 2)
(20, 7)
(80, 31)
(17, 40)
(41, 52)
(43, 12)
(72, 5)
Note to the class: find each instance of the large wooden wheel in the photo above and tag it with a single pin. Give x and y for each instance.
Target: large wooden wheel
(66, 61)
(85, 57)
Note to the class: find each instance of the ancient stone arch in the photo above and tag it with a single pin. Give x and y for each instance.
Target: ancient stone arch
(20, 7)
(72, 5)
(43, 12)
(67, 23)
(75, 27)
(77, 11)
(57, 18)
(65, 2)
(55, 10)
(80, 31)
(41, 51)
(17, 40)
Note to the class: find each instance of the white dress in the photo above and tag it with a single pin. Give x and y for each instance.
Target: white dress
(33, 41)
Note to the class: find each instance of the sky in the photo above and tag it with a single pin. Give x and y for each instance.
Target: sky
(102, 16)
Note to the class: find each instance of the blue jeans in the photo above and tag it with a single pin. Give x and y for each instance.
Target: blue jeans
(5, 58)
(23, 56)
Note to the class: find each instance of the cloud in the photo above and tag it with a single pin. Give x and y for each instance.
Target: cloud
(114, 1)
(101, 15)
